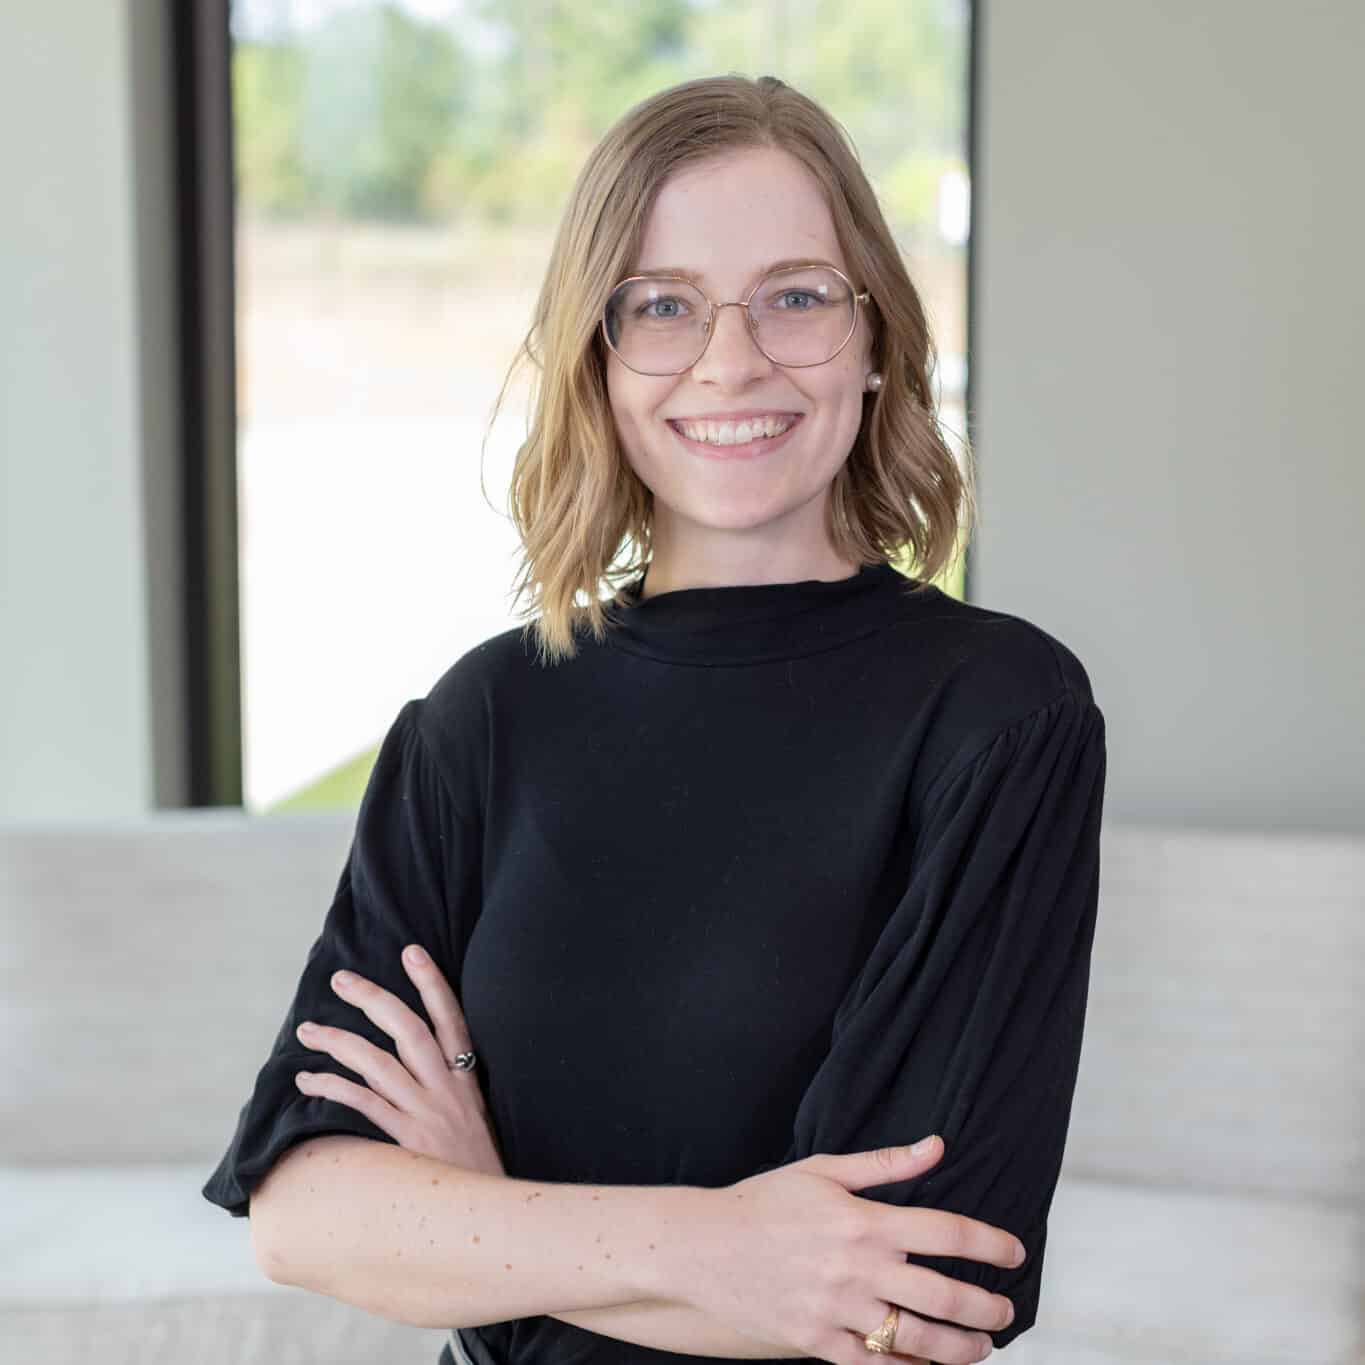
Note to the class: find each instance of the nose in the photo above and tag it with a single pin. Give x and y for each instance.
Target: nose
(732, 357)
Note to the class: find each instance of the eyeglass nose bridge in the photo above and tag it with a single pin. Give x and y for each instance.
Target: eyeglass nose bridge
(713, 316)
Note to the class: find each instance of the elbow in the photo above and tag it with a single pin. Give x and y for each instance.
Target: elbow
(276, 1211)
(287, 1255)
(275, 1215)
(264, 1245)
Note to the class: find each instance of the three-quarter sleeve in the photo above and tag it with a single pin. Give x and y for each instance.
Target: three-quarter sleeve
(967, 1018)
(410, 876)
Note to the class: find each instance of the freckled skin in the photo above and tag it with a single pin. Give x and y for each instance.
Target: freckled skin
(396, 1237)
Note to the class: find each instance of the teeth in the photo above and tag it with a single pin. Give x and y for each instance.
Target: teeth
(735, 433)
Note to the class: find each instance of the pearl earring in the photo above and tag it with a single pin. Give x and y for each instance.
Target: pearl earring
(874, 380)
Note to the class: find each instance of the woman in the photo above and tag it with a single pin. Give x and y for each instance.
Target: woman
(745, 877)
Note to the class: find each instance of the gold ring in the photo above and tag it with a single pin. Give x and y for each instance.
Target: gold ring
(883, 1340)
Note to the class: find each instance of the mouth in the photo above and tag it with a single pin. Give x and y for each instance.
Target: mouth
(731, 439)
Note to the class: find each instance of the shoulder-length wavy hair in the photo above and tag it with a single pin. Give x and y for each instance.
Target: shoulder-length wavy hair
(575, 500)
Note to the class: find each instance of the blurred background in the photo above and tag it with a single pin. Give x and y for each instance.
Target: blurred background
(264, 266)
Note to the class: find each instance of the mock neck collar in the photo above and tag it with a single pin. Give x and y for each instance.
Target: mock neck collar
(755, 622)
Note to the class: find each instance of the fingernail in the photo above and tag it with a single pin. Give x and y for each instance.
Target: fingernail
(341, 979)
(1020, 1254)
(416, 956)
(922, 1146)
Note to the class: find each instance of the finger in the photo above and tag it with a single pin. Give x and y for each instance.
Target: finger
(890, 1355)
(383, 1072)
(374, 1107)
(417, 1047)
(942, 1296)
(937, 1232)
(443, 1007)
(931, 1340)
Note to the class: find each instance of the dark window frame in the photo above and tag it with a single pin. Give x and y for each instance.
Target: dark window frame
(206, 225)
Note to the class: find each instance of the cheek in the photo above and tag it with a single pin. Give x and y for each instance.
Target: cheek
(843, 398)
(617, 400)
(843, 407)
(633, 400)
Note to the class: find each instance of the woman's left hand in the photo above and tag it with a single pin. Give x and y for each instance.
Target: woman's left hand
(415, 1097)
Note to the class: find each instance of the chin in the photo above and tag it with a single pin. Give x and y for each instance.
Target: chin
(734, 514)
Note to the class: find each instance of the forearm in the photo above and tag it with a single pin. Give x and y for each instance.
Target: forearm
(426, 1243)
(670, 1325)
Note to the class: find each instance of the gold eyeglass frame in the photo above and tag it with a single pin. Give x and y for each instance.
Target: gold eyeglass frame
(713, 308)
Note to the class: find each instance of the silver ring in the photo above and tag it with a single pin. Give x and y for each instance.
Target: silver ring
(464, 1061)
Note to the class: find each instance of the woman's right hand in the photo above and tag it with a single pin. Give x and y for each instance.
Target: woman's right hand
(803, 1262)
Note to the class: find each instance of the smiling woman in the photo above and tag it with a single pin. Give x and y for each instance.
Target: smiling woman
(765, 866)
(724, 259)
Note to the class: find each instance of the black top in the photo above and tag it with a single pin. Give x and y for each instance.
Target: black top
(777, 869)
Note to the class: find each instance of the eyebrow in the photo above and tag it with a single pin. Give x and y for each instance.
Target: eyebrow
(695, 275)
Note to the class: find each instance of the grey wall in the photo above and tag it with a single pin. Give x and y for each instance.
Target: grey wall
(1168, 221)
(89, 673)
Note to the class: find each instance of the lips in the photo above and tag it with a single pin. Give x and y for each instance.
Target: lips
(755, 447)
(735, 431)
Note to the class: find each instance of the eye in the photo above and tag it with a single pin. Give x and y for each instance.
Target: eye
(814, 299)
(667, 301)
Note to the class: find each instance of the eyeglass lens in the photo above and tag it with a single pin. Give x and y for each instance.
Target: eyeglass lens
(799, 317)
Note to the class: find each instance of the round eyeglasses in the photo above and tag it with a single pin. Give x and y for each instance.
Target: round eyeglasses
(798, 316)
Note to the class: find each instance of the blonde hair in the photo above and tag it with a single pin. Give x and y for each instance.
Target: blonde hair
(575, 500)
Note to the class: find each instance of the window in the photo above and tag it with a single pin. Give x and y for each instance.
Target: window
(400, 169)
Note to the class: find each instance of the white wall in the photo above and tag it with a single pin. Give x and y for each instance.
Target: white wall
(87, 404)
(1169, 358)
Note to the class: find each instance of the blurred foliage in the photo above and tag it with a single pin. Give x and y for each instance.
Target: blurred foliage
(377, 113)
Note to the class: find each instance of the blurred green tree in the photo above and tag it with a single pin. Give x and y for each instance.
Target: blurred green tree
(378, 113)
(382, 91)
(267, 80)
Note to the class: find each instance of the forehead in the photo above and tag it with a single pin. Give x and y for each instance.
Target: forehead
(725, 220)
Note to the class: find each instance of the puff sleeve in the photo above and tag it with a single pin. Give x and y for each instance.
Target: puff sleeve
(967, 1018)
(410, 876)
